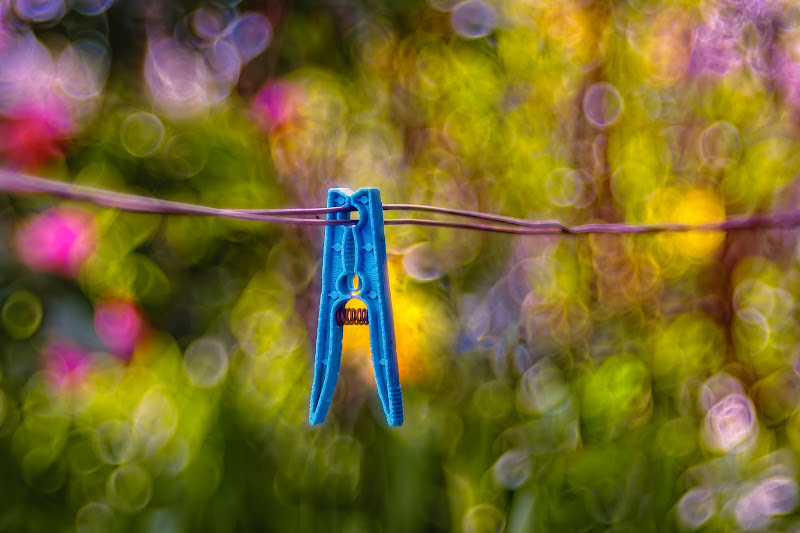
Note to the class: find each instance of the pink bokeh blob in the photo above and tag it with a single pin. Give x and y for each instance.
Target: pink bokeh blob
(119, 324)
(67, 365)
(34, 134)
(277, 104)
(58, 241)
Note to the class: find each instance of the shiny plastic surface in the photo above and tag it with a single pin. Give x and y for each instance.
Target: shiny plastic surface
(354, 266)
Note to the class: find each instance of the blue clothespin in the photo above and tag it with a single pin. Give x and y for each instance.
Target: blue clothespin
(354, 266)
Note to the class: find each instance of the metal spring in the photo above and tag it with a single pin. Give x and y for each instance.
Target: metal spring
(352, 317)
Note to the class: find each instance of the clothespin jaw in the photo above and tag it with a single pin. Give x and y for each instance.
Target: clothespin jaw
(354, 266)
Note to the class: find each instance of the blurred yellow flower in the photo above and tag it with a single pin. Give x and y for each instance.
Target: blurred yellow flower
(698, 206)
(667, 46)
(420, 325)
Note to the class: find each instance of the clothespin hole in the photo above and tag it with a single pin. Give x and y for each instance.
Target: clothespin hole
(355, 285)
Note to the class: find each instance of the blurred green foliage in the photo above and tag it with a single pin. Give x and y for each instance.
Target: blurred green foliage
(155, 370)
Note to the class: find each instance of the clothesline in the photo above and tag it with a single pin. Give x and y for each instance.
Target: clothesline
(16, 182)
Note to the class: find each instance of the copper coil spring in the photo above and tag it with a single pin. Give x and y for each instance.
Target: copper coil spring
(346, 316)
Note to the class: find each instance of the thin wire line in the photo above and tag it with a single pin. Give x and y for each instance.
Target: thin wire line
(24, 183)
(16, 182)
(780, 219)
(476, 215)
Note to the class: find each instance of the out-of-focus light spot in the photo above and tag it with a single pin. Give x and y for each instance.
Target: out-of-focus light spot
(42, 470)
(730, 424)
(206, 362)
(542, 387)
(667, 46)
(266, 333)
(39, 10)
(142, 134)
(57, 241)
(297, 267)
(421, 262)
(786, 72)
(415, 315)
(570, 187)
(777, 395)
(568, 25)
(35, 133)
(250, 34)
(83, 69)
(209, 22)
(632, 185)
(512, 469)
(493, 399)
(782, 308)
(151, 284)
(129, 488)
(163, 521)
(422, 324)
(22, 314)
(173, 456)
(90, 7)
(113, 442)
(778, 495)
(716, 388)
(602, 104)
(699, 206)
(278, 103)
(793, 429)
(95, 517)
(435, 68)
(648, 100)
(696, 507)
(473, 19)
(185, 156)
(751, 332)
(178, 79)
(619, 391)
(721, 144)
(476, 319)
(713, 51)
(155, 418)
(483, 518)
(772, 497)
(67, 365)
(224, 65)
(119, 324)
(752, 294)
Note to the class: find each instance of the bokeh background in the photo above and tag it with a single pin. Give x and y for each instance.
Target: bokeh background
(155, 371)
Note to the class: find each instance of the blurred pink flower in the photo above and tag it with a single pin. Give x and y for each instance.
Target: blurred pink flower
(730, 423)
(718, 387)
(277, 104)
(787, 75)
(774, 496)
(34, 134)
(120, 325)
(735, 33)
(66, 364)
(57, 241)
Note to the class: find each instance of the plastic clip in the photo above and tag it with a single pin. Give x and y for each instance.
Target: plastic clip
(354, 266)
